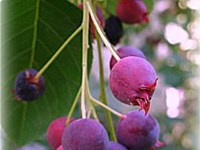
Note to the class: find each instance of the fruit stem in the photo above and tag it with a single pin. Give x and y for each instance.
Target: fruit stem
(85, 24)
(72, 108)
(107, 107)
(61, 48)
(100, 31)
(90, 104)
(102, 95)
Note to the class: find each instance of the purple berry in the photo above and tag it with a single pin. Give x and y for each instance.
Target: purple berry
(132, 11)
(137, 131)
(113, 29)
(116, 146)
(85, 134)
(133, 81)
(126, 51)
(55, 131)
(28, 88)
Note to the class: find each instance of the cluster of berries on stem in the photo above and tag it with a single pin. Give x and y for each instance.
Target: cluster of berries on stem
(132, 81)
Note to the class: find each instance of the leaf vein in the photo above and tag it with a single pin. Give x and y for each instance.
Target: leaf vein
(58, 10)
(51, 29)
(18, 33)
(34, 33)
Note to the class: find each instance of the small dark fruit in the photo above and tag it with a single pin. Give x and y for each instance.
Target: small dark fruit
(132, 11)
(116, 146)
(137, 131)
(133, 81)
(126, 51)
(55, 131)
(113, 29)
(85, 134)
(26, 87)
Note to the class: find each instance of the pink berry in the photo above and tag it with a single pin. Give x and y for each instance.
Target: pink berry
(55, 131)
(60, 148)
(132, 11)
(125, 51)
(133, 81)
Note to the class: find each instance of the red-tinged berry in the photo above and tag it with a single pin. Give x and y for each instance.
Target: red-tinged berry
(132, 11)
(113, 29)
(133, 81)
(126, 51)
(116, 146)
(60, 148)
(85, 134)
(55, 131)
(138, 131)
(27, 87)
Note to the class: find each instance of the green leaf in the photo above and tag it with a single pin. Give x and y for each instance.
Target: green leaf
(111, 5)
(33, 31)
(149, 4)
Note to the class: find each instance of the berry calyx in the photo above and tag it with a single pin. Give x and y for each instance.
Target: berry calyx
(132, 11)
(126, 51)
(85, 134)
(55, 131)
(133, 81)
(113, 29)
(27, 87)
(137, 131)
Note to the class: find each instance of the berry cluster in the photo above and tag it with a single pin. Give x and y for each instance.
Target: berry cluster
(134, 132)
(132, 81)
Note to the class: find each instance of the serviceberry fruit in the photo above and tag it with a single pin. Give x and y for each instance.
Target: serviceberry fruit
(55, 131)
(26, 87)
(133, 81)
(113, 29)
(85, 134)
(60, 148)
(126, 51)
(137, 131)
(132, 11)
(116, 146)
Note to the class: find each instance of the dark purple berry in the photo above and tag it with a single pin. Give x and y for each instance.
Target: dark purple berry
(126, 51)
(113, 29)
(28, 88)
(133, 81)
(132, 11)
(85, 134)
(137, 131)
(116, 146)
